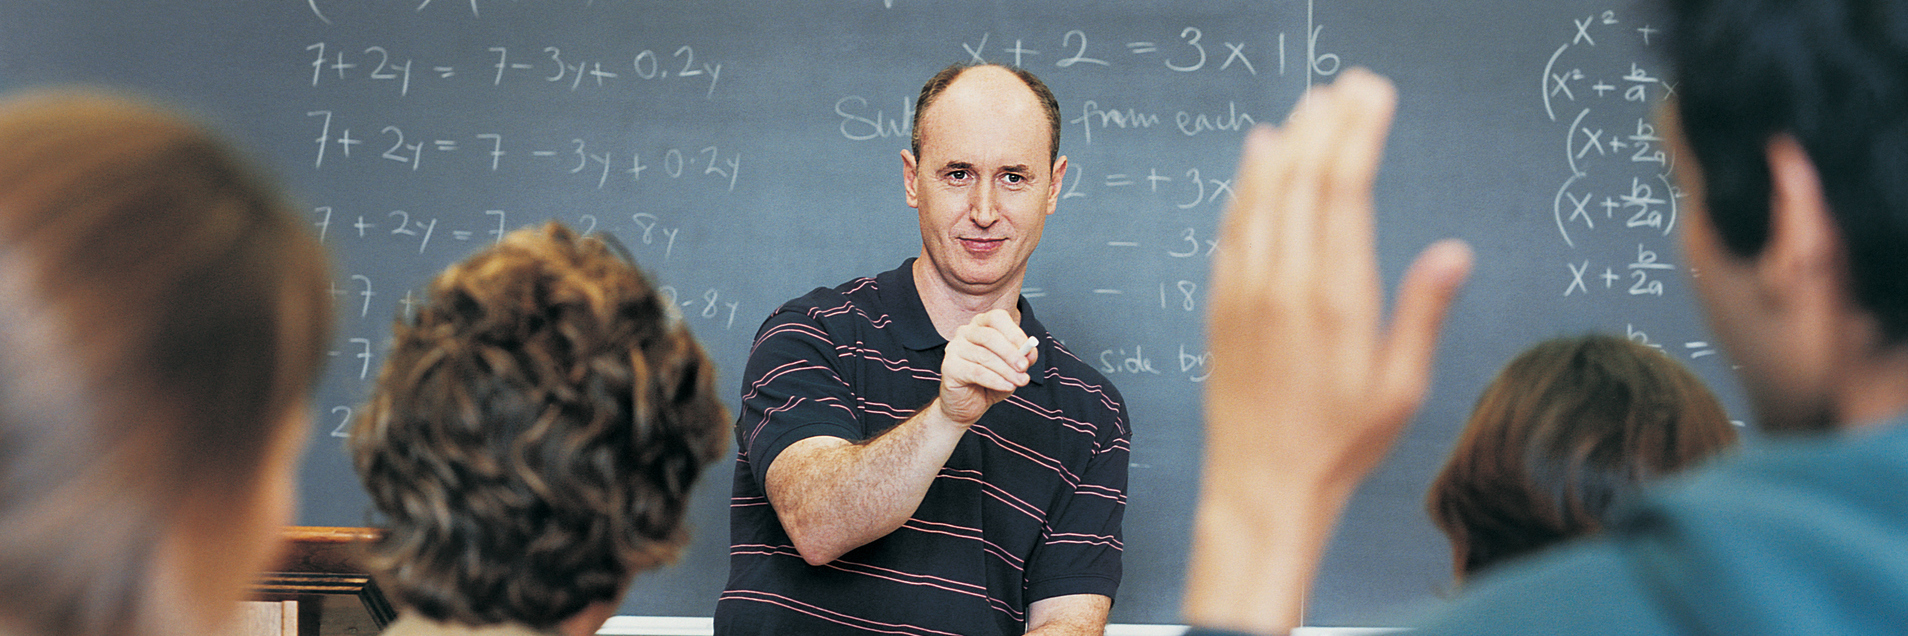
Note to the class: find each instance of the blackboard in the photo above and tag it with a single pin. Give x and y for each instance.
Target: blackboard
(747, 152)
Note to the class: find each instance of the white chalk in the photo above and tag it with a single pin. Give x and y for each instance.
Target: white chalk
(1029, 346)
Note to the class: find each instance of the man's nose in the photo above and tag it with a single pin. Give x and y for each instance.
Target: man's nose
(981, 207)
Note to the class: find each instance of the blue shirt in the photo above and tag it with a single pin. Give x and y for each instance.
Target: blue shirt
(1799, 535)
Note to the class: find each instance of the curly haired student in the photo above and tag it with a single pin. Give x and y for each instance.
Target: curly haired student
(532, 440)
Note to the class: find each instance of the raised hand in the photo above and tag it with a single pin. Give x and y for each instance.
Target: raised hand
(1310, 386)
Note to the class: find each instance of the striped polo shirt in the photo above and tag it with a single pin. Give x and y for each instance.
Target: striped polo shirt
(1028, 506)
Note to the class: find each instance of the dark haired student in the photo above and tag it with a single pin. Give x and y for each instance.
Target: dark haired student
(1790, 124)
(1567, 432)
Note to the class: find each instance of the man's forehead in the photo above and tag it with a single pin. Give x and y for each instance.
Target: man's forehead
(983, 99)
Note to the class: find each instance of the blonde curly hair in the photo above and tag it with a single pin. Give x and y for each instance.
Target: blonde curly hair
(534, 434)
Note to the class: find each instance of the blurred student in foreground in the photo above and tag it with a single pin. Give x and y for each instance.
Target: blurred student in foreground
(532, 440)
(162, 318)
(1790, 123)
(1566, 431)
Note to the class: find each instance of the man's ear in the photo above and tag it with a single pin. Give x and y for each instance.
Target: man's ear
(908, 172)
(1055, 183)
(1805, 247)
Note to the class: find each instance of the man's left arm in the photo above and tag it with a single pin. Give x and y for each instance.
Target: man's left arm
(1078, 568)
(1070, 615)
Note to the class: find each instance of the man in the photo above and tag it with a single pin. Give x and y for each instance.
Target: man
(532, 440)
(916, 454)
(1792, 122)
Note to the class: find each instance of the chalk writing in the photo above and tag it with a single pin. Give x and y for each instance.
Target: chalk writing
(1617, 204)
(858, 124)
(596, 163)
(406, 228)
(1233, 121)
(344, 422)
(549, 65)
(1184, 298)
(1186, 190)
(654, 233)
(1695, 349)
(1117, 361)
(1195, 366)
(1187, 51)
(711, 306)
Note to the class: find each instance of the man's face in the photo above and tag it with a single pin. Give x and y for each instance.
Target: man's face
(983, 184)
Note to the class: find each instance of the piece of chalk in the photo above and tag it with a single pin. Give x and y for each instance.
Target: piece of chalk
(1029, 346)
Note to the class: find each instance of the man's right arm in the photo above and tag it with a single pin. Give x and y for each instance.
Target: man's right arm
(833, 495)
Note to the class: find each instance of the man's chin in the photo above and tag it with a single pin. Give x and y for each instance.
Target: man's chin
(982, 281)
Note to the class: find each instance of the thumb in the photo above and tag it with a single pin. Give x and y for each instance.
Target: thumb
(1424, 300)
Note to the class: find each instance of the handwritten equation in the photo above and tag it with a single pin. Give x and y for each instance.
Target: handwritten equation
(1189, 50)
(599, 163)
(361, 296)
(540, 66)
(1617, 207)
(423, 151)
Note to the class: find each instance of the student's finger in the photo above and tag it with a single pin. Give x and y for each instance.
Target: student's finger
(1245, 239)
(1367, 103)
(1307, 147)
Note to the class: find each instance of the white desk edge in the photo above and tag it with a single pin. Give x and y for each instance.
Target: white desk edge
(703, 626)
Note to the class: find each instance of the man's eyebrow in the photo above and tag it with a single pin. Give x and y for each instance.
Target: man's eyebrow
(1018, 168)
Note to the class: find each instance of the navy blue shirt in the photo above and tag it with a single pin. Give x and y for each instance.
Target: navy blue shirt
(1028, 506)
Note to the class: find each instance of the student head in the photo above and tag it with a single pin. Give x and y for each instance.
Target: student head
(162, 317)
(1565, 431)
(533, 436)
(1784, 105)
(983, 173)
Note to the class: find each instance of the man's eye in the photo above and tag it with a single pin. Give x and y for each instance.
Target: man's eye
(957, 174)
(1014, 178)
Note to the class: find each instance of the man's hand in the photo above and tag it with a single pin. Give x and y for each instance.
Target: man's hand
(1309, 387)
(985, 361)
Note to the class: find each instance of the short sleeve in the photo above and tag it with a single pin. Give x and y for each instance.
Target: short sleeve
(791, 390)
(1081, 554)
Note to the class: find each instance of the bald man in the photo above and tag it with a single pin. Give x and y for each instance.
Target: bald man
(916, 453)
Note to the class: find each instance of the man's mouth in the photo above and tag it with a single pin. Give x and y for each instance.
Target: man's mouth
(982, 244)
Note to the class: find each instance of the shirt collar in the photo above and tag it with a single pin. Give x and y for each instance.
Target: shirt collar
(917, 329)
